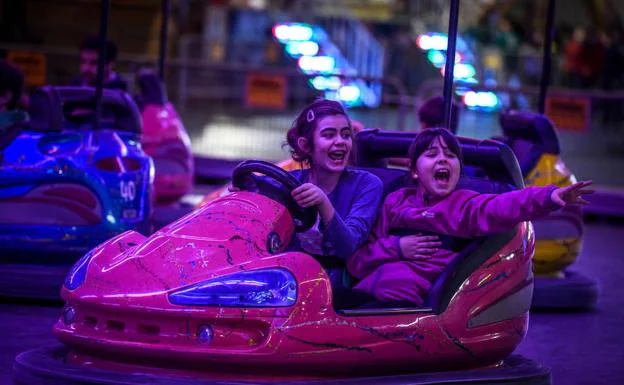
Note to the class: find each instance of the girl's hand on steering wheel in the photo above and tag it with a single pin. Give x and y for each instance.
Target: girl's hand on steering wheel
(308, 195)
(418, 247)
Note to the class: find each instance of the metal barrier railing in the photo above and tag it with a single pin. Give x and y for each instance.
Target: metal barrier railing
(603, 110)
(238, 110)
(229, 102)
(432, 86)
(214, 102)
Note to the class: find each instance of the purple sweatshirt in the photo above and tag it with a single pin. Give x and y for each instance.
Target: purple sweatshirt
(385, 274)
(356, 200)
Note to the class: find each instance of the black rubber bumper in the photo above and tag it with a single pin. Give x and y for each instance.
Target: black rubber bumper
(46, 366)
(605, 203)
(573, 291)
(32, 281)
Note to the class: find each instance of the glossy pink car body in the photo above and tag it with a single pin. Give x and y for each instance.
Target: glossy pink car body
(123, 315)
(165, 139)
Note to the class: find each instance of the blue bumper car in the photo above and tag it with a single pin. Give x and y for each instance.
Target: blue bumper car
(67, 184)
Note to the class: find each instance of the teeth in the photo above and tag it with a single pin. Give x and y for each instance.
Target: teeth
(337, 155)
(442, 173)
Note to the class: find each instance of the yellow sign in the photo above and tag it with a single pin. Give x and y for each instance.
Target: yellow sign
(266, 91)
(33, 64)
(493, 60)
(569, 113)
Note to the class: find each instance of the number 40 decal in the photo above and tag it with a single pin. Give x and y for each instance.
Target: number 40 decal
(128, 190)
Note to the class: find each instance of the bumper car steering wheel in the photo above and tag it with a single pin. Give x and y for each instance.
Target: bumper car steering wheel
(244, 178)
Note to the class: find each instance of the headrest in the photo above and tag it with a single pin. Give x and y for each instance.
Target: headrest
(496, 160)
(151, 88)
(530, 126)
(52, 109)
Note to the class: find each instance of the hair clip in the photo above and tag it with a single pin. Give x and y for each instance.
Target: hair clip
(310, 116)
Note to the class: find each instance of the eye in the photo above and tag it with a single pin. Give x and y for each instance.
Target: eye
(450, 154)
(329, 133)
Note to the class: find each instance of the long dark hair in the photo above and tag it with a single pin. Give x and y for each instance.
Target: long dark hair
(423, 140)
(306, 122)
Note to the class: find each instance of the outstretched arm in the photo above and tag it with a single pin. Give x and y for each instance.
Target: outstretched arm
(468, 214)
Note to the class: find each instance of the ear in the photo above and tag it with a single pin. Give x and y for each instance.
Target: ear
(414, 174)
(303, 144)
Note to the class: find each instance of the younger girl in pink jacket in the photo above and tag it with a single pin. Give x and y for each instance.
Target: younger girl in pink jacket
(403, 269)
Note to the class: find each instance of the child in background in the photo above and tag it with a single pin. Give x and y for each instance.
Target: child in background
(431, 114)
(402, 269)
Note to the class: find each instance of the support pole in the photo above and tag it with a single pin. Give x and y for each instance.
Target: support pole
(165, 12)
(449, 67)
(99, 79)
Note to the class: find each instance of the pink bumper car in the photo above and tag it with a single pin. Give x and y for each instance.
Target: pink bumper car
(165, 139)
(217, 296)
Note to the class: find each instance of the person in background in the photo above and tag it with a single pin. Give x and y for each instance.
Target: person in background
(89, 56)
(11, 89)
(431, 114)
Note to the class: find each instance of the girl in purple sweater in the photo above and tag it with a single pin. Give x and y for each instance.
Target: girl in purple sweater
(403, 269)
(347, 199)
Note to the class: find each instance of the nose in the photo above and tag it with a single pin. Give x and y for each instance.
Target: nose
(442, 159)
(340, 140)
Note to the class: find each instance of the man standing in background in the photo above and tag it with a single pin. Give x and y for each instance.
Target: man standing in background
(89, 55)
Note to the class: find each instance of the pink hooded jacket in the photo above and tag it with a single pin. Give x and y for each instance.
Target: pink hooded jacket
(385, 274)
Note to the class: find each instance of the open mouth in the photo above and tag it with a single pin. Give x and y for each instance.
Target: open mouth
(442, 175)
(337, 155)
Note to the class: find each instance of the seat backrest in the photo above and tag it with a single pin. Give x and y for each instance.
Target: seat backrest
(473, 255)
(530, 135)
(151, 89)
(53, 109)
(474, 252)
(492, 159)
(392, 178)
